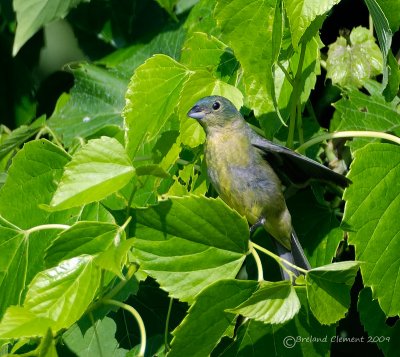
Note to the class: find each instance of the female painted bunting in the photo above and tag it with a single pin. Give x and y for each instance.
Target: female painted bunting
(242, 166)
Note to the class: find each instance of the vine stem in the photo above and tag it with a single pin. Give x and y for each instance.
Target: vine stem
(137, 317)
(348, 134)
(167, 348)
(278, 259)
(47, 226)
(258, 262)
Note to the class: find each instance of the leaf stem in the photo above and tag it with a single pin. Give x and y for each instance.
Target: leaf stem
(137, 317)
(47, 226)
(288, 76)
(295, 97)
(348, 134)
(258, 262)
(279, 260)
(167, 348)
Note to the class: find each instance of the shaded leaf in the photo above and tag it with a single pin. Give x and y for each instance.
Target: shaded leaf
(207, 321)
(328, 290)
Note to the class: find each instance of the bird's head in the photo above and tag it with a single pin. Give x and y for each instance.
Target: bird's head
(214, 111)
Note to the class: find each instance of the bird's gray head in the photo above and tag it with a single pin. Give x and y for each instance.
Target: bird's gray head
(214, 111)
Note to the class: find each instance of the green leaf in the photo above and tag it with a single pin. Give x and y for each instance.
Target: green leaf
(19, 322)
(303, 13)
(47, 347)
(255, 18)
(273, 303)
(98, 340)
(152, 96)
(201, 19)
(64, 292)
(95, 101)
(13, 263)
(359, 111)
(31, 180)
(373, 320)
(328, 290)
(202, 51)
(354, 63)
(207, 320)
(371, 216)
(82, 238)
(301, 336)
(31, 16)
(187, 243)
(20, 135)
(153, 170)
(393, 85)
(98, 169)
(391, 9)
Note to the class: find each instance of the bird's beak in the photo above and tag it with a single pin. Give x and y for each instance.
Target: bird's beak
(196, 113)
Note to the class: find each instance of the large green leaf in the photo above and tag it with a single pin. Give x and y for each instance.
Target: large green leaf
(98, 169)
(391, 9)
(98, 340)
(187, 243)
(64, 292)
(152, 96)
(32, 15)
(273, 303)
(56, 298)
(207, 320)
(371, 216)
(303, 13)
(328, 290)
(353, 64)
(255, 18)
(95, 101)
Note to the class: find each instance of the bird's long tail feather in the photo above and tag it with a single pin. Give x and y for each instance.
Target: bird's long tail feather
(296, 256)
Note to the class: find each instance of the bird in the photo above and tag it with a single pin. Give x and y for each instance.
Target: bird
(247, 170)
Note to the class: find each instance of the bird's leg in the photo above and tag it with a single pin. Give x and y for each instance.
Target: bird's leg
(259, 223)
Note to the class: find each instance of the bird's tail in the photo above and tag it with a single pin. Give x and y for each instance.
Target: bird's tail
(296, 256)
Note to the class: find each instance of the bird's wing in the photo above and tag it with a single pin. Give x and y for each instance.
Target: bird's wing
(297, 168)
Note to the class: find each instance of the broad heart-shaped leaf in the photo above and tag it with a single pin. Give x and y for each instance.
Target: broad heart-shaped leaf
(359, 111)
(98, 340)
(372, 218)
(95, 101)
(272, 302)
(328, 290)
(352, 65)
(63, 293)
(32, 15)
(152, 96)
(199, 85)
(255, 18)
(98, 169)
(301, 336)
(373, 320)
(187, 243)
(82, 238)
(302, 13)
(31, 180)
(207, 320)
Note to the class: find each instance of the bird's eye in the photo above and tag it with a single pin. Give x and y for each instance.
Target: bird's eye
(216, 105)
